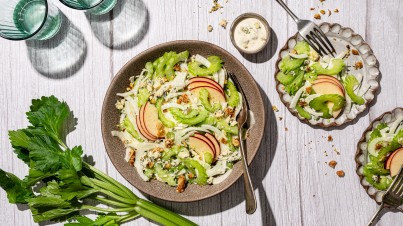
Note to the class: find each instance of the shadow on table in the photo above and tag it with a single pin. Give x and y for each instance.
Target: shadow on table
(267, 53)
(61, 56)
(234, 195)
(124, 27)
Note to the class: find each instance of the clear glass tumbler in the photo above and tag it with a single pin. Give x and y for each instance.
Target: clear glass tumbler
(29, 19)
(97, 7)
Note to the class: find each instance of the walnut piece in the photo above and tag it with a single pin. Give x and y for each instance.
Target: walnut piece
(317, 16)
(169, 143)
(235, 141)
(332, 164)
(209, 28)
(354, 52)
(181, 184)
(359, 65)
(340, 173)
(132, 157)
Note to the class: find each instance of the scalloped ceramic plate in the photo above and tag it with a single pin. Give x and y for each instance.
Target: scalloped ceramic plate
(361, 154)
(340, 37)
(110, 118)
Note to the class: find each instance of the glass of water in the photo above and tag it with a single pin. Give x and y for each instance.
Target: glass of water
(97, 7)
(29, 19)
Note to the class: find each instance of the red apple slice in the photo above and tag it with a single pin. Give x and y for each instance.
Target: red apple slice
(322, 78)
(195, 85)
(396, 162)
(212, 138)
(327, 87)
(204, 79)
(142, 130)
(387, 164)
(150, 120)
(205, 139)
(202, 148)
(215, 95)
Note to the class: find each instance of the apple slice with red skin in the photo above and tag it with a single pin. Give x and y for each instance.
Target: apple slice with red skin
(329, 78)
(396, 162)
(387, 164)
(195, 85)
(150, 120)
(205, 139)
(215, 94)
(217, 147)
(144, 131)
(201, 147)
(326, 87)
(208, 80)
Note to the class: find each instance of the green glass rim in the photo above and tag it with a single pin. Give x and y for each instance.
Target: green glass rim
(78, 8)
(33, 33)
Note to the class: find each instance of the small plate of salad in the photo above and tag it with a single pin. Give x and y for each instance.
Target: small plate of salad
(329, 90)
(379, 154)
(169, 120)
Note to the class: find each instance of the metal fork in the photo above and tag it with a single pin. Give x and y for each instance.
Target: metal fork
(311, 33)
(393, 197)
(250, 197)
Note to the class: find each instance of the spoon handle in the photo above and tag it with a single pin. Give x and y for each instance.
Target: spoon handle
(250, 197)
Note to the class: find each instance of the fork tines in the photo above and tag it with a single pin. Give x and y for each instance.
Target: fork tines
(394, 195)
(319, 42)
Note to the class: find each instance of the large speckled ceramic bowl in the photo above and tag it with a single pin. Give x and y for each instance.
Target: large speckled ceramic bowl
(340, 37)
(361, 156)
(110, 118)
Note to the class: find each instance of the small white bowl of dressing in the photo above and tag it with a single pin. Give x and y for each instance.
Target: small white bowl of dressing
(250, 33)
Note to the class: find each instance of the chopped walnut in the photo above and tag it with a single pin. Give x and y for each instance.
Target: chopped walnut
(169, 143)
(229, 112)
(235, 142)
(181, 184)
(274, 107)
(354, 52)
(317, 16)
(185, 98)
(286, 129)
(132, 157)
(167, 165)
(323, 12)
(302, 103)
(150, 165)
(340, 173)
(312, 9)
(223, 23)
(209, 28)
(293, 51)
(336, 10)
(378, 146)
(329, 138)
(223, 140)
(179, 100)
(177, 67)
(160, 129)
(190, 175)
(359, 65)
(308, 89)
(332, 164)
(157, 149)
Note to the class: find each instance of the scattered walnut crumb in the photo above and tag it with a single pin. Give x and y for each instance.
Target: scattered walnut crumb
(340, 173)
(323, 12)
(160, 129)
(274, 107)
(229, 112)
(168, 143)
(308, 89)
(330, 138)
(167, 165)
(317, 16)
(132, 157)
(312, 9)
(157, 149)
(209, 28)
(359, 65)
(150, 165)
(280, 118)
(332, 164)
(302, 103)
(354, 52)
(223, 23)
(378, 146)
(329, 12)
(336, 10)
(223, 140)
(235, 142)
(286, 129)
(181, 184)
(190, 175)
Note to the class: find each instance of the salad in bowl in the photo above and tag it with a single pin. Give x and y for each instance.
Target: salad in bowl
(178, 120)
(319, 87)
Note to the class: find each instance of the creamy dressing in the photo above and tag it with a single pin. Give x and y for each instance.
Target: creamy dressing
(250, 34)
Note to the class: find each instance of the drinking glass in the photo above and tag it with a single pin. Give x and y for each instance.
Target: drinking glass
(97, 7)
(28, 19)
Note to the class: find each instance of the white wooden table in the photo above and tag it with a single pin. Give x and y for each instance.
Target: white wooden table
(293, 184)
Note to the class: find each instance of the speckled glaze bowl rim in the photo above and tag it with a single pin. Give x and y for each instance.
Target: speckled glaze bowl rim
(250, 15)
(359, 152)
(295, 113)
(237, 170)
